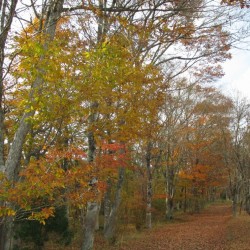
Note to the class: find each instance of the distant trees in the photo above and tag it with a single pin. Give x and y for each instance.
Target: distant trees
(239, 159)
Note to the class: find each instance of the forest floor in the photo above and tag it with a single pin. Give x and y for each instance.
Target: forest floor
(213, 229)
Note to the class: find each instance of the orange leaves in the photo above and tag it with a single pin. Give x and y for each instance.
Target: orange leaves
(112, 156)
(114, 147)
(42, 215)
(47, 182)
(202, 176)
(159, 196)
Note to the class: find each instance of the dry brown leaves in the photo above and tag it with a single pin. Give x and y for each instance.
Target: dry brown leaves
(213, 229)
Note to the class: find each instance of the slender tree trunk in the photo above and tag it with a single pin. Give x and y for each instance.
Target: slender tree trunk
(107, 204)
(110, 231)
(234, 205)
(234, 197)
(149, 187)
(247, 200)
(149, 204)
(170, 194)
(247, 205)
(185, 200)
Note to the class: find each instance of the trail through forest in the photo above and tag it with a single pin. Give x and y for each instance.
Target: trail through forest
(212, 229)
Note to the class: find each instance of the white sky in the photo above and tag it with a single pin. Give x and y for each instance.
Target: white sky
(237, 74)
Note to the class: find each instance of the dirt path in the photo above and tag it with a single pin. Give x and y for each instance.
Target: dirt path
(213, 229)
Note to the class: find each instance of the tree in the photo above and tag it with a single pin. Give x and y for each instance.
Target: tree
(238, 170)
(12, 162)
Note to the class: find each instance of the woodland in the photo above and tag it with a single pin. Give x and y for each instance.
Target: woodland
(110, 118)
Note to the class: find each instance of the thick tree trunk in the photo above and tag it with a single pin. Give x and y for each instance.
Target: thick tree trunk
(92, 207)
(7, 234)
(89, 225)
(169, 208)
(97, 221)
(110, 230)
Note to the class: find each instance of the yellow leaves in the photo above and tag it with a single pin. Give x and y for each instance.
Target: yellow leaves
(6, 211)
(87, 55)
(42, 215)
(124, 90)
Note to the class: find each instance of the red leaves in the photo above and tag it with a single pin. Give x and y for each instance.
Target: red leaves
(113, 155)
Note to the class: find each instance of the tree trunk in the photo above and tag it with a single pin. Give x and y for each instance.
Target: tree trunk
(6, 18)
(169, 208)
(5, 24)
(234, 205)
(234, 197)
(7, 234)
(89, 235)
(149, 187)
(185, 200)
(107, 204)
(92, 207)
(149, 206)
(110, 231)
(89, 225)
(170, 194)
(247, 205)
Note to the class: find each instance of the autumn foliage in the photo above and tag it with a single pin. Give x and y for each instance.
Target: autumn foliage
(107, 111)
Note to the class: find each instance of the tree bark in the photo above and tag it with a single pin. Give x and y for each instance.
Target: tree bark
(234, 204)
(107, 204)
(170, 194)
(149, 187)
(110, 231)
(6, 18)
(92, 207)
(89, 225)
